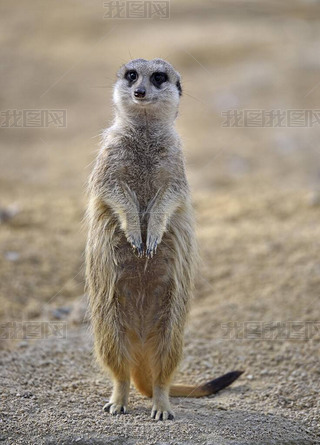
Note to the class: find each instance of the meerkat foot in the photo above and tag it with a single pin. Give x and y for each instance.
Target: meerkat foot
(159, 413)
(161, 409)
(115, 408)
(119, 398)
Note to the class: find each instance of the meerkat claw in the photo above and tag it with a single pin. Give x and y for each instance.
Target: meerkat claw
(140, 250)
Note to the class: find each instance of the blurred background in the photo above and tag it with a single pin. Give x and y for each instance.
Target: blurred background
(255, 176)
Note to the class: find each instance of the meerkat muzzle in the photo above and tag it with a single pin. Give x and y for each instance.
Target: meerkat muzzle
(139, 93)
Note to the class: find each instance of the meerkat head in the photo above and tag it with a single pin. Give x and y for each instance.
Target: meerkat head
(151, 86)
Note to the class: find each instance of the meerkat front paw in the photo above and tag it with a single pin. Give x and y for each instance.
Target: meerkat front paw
(136, 242)
(115, 408)
(152, 244)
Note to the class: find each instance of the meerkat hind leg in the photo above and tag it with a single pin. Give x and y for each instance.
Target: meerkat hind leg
(161, 409)
(163, 365)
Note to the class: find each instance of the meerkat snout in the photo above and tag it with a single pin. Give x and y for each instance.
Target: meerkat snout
(140, 92)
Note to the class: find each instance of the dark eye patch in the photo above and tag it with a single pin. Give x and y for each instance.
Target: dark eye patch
(158, 78)
(131, 76)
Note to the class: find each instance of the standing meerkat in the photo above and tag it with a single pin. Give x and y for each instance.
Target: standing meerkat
(141, 251)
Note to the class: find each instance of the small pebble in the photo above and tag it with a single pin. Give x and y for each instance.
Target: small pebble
(12, 256)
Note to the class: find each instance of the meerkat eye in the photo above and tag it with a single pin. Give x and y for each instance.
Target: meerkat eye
(158, 78)
(131, 75)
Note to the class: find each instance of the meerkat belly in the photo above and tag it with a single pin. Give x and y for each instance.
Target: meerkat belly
(142, 275)
(142, 286)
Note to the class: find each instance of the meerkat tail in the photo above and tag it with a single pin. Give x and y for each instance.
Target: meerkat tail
(205, 389)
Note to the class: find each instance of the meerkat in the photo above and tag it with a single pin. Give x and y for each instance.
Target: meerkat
(141, 252)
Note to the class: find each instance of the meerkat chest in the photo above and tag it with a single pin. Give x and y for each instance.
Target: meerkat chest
(145, 171)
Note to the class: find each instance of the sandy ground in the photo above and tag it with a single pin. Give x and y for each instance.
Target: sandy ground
(256, 193)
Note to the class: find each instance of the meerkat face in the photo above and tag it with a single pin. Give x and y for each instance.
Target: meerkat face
(147, 84)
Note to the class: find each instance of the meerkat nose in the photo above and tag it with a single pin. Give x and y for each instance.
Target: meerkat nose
(140, 92)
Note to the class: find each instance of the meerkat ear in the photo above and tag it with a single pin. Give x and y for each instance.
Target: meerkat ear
(178, 84)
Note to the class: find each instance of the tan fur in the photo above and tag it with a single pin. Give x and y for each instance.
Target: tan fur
(141, 251)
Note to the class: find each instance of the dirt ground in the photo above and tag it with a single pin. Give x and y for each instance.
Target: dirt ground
(256, 193)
